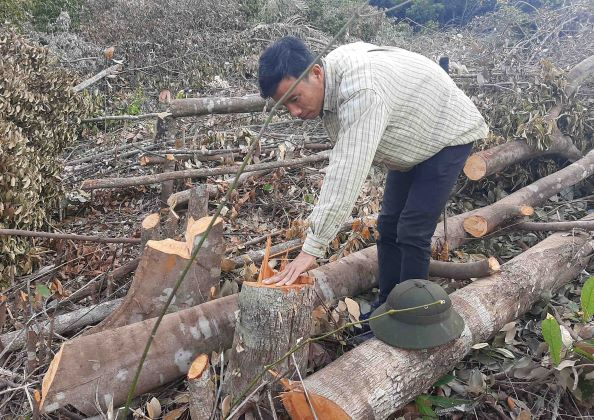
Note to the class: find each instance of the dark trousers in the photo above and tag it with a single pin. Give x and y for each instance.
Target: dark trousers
(412, 204)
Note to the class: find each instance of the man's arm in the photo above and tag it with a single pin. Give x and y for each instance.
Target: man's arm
(363, 119)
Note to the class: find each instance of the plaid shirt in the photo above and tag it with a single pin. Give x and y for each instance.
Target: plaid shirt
(386, 106)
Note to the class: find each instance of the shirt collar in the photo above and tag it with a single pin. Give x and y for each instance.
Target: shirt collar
(330, 94)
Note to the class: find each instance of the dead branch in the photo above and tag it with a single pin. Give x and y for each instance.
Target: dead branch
(108, 71)
(91, 184)
(218, 105)
(67, 236)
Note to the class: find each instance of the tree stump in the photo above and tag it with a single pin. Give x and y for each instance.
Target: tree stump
(202, 389)
(272, 321)
(149, 229)
(159, 269)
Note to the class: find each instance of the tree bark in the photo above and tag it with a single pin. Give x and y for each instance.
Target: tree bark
(91, 184)
(490, 161)
(105, 362)
(271, 322)
(555, 226)
(198, 202)
(486, 219)
(453, 270)
(181, 198)
(375, 379)
(159, 270)
(202, 389)
(217, 105)
(64, 323)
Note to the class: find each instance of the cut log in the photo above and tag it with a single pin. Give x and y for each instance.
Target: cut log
(272, 320)
(202, 389)
(149, 229)
(159, 270)
(555, 226)
(105, 362)
(478, 225)
(64, 323)
(495, 159)
(218, 105)
(453, 270)
(490, 161)
(486, 219)
(181, 198)
(375, 379)
(91, 184)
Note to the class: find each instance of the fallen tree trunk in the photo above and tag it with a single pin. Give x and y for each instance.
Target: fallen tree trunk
(181, 198)
(91, 184)
(375, 379)
(485, 220)
(218, 105)
(64, 323)
(490, 161)
(105, 362)
(158, 271)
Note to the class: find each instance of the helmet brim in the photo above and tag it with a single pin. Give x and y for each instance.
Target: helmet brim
(405, 335)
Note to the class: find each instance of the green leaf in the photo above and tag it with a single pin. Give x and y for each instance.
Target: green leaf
(308, 198)
(587, 299)
(446, 402)
(267, 188)
(444, 380)
(43, 290)
(424, 406)
(552, 335)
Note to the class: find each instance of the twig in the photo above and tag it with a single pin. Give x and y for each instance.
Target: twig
(125, 117)
(108, 71)
(67, 236)
(272, 410)
(258, 388)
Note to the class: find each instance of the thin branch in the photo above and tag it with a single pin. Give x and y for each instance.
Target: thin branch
(67, 236)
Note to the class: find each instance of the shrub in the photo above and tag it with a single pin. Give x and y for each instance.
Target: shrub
(39, 113)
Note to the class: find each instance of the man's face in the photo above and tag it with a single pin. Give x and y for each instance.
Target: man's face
(307, 99)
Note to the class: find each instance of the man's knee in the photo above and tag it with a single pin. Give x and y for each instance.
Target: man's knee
(417, 230)
(387, 227)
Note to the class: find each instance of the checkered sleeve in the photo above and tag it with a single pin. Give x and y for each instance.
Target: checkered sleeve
(362, 119)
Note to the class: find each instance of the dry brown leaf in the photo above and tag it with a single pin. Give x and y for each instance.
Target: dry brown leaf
(37, 395)
(175, 414)
(165, 96)
(108, 53)
(226, 406)
(227, 265)
(353, 308)
(153, 408)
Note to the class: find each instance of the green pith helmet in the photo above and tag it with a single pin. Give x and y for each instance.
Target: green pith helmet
(421, 328)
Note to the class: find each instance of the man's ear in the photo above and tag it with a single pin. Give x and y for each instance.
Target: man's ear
(317, 71)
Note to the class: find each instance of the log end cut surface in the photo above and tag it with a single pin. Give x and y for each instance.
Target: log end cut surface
(476, 226)
(299, 409)
(475, 167)
(198, 366)
(48, 379)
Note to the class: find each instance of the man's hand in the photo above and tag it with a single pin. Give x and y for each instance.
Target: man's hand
(292, 270)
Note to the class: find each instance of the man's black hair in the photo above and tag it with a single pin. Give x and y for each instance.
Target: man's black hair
(287, 57)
